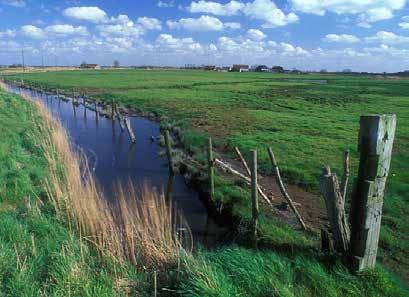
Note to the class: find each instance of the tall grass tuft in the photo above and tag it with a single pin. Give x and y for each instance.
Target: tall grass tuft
(140, 227)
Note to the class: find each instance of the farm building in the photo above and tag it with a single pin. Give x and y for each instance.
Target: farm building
(90, 66)
(240, 68)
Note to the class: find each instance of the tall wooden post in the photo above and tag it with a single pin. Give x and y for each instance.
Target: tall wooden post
(376, 138)
(113, 110)
(96, 111)
(169, 151)
(210, 167)
(85, 106)
(254, 197)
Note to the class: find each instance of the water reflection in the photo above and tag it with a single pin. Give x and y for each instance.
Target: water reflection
(115, 158)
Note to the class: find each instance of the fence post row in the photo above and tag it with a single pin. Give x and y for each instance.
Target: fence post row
(376, 136)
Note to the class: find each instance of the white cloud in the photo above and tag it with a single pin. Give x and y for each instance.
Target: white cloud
(168, 43)
(233, 26)
(8, 33)
(263, 10)
(256, 34)
(229, 9)
(127, 29)
(342, 38)
(386, 37)
(368, 11)
(165, 4)
(405, 22)
(33, 32)
(202, 24)
(150, 23)
(66, 30)
(122, 26)
(267, 11)
(86, 13)
(15, 3)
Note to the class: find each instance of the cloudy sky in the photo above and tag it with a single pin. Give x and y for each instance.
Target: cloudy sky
(363, 35)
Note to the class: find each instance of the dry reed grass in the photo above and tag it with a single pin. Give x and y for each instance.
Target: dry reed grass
(141, 227)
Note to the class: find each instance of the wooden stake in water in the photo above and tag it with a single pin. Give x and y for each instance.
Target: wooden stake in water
(376, 136)
(113, 110)
(96, 111)
(130, 131)
(85, 107)
(169, 151)
(210, 167)
(254, 196)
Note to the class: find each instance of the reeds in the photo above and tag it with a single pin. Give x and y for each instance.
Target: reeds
(140, 227)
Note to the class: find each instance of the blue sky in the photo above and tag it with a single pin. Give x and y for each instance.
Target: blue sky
(362, 35)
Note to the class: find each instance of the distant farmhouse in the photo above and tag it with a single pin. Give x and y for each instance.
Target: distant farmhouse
(90, 66)
(240, 68)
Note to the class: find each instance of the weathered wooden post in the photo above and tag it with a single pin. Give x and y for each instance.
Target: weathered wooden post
(169, 151)
(113, 110)
(345, 177)
(283, 190)
(376, 136)
(335, 205)
(254, 197)
(73, 107)
(120, 119)
(129, 128)
(85, 106)
(96, 111)
(210, 167)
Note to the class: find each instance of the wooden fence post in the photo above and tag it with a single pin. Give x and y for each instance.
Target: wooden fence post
(130, 131)
(169, 151)
(376, 136)
(210, 166)
(345, 177)
(254, 197)
(335, 205)
(85, 106)
(283, 189)
(96, 111)
(113, 110)
(120, 119)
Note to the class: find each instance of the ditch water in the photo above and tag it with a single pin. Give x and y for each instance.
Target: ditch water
(114, 158)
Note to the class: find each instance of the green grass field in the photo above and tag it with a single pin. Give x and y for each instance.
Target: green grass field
(41, 256)
(307, 123)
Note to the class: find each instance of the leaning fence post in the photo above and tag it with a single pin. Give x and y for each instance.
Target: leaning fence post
(169, 151)
(210, 165)
(254, 197)
(113, 110)
(376, 136)
(129, 128)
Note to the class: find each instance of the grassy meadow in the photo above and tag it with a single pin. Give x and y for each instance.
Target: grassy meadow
(308, 124)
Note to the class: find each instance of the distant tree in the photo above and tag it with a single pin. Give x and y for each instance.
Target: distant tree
(83, 64)
(260, 68)
(278, 69)
(323, 70)
(116, 63)
(347, 70)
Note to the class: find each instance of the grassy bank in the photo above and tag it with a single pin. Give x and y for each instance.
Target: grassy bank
(42, 253)
(308, 123)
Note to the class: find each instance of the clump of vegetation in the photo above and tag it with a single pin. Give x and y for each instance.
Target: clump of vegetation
(239, 272)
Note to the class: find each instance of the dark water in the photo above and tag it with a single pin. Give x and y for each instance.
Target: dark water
(115, 158)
